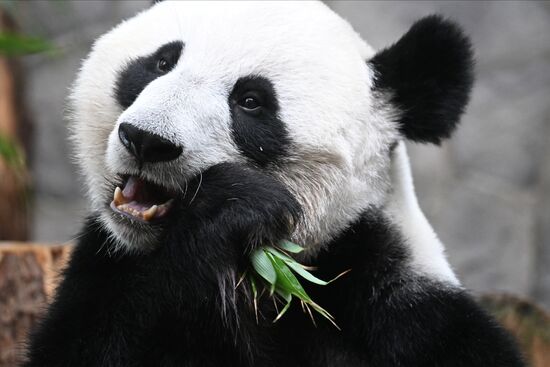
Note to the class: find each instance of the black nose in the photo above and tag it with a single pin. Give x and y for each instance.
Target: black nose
(147, 147)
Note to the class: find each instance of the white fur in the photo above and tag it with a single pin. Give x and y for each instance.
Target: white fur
(428, 253)
(317, 63)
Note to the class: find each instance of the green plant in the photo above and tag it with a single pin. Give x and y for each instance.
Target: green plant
(13, 44)
(11, 153)
(276, 270)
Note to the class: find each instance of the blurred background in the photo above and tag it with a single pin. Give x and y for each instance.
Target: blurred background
(486, 191)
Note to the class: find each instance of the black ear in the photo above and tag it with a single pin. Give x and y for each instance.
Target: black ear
(428, 75)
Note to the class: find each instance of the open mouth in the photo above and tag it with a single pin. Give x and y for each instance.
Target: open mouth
(142, 200)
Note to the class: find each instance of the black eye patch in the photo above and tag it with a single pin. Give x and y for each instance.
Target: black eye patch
(256, 127)
(138, 73)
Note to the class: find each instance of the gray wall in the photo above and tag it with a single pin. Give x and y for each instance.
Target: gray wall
(486, 191)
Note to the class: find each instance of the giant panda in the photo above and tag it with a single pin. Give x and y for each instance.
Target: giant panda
(205, 130)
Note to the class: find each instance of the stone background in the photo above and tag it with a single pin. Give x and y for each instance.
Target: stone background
(486, 192)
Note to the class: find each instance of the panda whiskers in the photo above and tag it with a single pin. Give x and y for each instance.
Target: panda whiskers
(227, 288)
(227, 285)
(231, 296)
(198, 188)
(185, 189)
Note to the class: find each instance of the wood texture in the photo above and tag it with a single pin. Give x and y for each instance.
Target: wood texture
(28, 275)
(30, 272)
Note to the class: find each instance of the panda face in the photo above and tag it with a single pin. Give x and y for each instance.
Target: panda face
(281, 86)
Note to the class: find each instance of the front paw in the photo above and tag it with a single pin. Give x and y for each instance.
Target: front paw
(243, 204)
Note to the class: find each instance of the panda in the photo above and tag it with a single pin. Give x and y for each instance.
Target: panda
(205, 130)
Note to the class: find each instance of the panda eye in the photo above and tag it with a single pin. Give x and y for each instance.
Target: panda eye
(163, 65)
(250, 103)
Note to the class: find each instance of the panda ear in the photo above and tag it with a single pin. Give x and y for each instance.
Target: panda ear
(427, 75)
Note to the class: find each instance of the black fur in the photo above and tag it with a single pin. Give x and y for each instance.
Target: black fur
(428, 75)
(138, 73)
(261, 136)
(178, 306)
(390, 316)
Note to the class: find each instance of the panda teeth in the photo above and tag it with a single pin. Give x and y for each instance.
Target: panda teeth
(149, 213)
(118, 197)
(146, 215)
(123, 204)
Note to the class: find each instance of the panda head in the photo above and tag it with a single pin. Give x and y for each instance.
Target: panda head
(285, 87)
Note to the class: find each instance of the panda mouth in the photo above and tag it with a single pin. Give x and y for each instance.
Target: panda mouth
(141, 200)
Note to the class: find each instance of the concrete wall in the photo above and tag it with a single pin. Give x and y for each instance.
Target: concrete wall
(487, 191)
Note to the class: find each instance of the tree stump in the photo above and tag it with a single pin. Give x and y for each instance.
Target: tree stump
(28, 276)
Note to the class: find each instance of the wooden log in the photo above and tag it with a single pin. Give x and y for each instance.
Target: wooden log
(28, 276)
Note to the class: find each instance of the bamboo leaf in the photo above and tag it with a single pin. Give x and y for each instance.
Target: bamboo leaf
(263, 266)
(284, 282)
(290, 247)
(306, 274)
(280, 255)
(297, 267)
(12, 44)
(283, 293)
(283, 311)
(287, 280)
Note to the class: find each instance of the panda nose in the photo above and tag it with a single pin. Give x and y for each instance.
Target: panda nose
(145, 146)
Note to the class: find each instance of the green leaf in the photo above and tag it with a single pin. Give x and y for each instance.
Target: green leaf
(279, 254)
(287, 280)
(263, 265)
(306, 274)
(290, 247)
(284, 282)
(283, 311)
(10, 152)
(12, 44)
(297, 267)
(283, 293)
